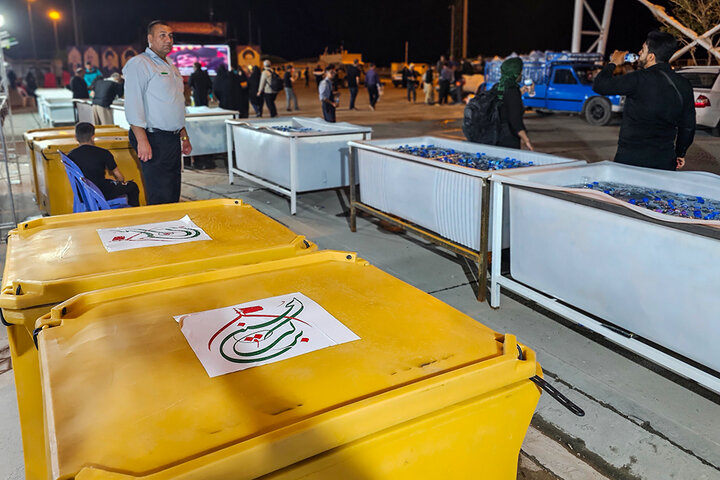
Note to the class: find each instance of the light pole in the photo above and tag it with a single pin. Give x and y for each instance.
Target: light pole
(75, 25)
(32, 29)
(55, 16)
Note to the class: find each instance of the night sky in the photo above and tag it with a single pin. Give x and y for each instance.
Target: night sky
(293, 30)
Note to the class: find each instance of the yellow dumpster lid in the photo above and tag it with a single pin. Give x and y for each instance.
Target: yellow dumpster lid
(50, 259)
(50, 146)
(124, 392)
(60, 132)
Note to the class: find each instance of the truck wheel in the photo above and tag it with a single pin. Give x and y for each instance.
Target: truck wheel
(598, 111)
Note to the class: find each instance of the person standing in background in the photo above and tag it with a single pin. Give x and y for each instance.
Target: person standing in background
(77, 86)
(91, 74)
(155, 110)
(428, 86)
(512, 128)
(200, 85)
(372, 83)
(318, 74)
(106, 91)
(658, 124)
(265, 89)
(412, 82)
(327, 97)
(254, 84)
(288, 81)
(353, 77)
(446, 78)
(307, 76)
(241, 86)
(31, 83)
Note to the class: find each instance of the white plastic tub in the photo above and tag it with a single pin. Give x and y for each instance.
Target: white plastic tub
(439, 197)
(292, 162)
(205, 127)
(118, 113)
(650, 274)
(55, 106)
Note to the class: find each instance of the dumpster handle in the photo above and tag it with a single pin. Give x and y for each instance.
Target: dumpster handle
(35, 334)
(2, 320)
(552, 391)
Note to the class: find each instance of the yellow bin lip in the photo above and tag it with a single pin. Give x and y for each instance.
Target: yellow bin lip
(50, 259)
(124, 392)
(41, 134)
(49, 147)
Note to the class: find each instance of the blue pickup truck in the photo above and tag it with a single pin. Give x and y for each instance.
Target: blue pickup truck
(563, 83)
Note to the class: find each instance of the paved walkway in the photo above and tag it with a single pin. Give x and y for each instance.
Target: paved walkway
(641, 422)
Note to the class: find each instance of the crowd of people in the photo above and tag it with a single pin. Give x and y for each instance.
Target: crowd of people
(654, 134)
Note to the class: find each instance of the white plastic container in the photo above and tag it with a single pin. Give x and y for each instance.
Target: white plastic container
(650, 274)
(205, 127)
(292, 162)
(440, 197)
(118, 113)
(55, 106)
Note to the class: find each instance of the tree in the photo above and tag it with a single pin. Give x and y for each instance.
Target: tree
(698, 15)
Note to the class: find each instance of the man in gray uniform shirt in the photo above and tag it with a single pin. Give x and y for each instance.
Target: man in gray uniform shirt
(155, 110)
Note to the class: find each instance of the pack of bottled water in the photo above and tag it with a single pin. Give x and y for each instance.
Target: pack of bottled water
(661, 201)
(479, 160)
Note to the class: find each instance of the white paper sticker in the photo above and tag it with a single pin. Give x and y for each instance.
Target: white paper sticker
(151, 235)
(235, 338)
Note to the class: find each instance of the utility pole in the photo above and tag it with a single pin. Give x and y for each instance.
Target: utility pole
(75, 24)
(406, 51)
(55, 16)
(452, 28)
(32, 30)
(249, 28)
(465, 29)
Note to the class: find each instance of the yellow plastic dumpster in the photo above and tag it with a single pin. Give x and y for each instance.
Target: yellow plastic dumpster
(426, 392)
(54, 195)
(53, 258)
(61, 132)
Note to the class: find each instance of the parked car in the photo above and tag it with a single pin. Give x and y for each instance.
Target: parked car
(706, 85)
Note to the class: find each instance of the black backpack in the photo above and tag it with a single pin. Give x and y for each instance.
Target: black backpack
(481, 120)
(276, 82)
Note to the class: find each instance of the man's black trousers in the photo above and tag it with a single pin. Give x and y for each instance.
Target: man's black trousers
(161, 173)
(328, 112)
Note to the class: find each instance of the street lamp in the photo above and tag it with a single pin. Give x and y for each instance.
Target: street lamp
(32, 29)
(55, 16)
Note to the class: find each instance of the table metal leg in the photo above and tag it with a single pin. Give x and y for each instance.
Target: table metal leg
(353, 209)
(497, 227)
(229, 140)
(484, 231)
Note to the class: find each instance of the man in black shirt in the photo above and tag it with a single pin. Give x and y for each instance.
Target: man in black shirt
(658, 123)
(106, 91)
(201, 85)
(288, 80)
(93, 161)
(353, 74)
(77, 84)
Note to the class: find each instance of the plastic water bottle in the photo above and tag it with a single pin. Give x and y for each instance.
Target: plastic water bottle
(631, 57)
